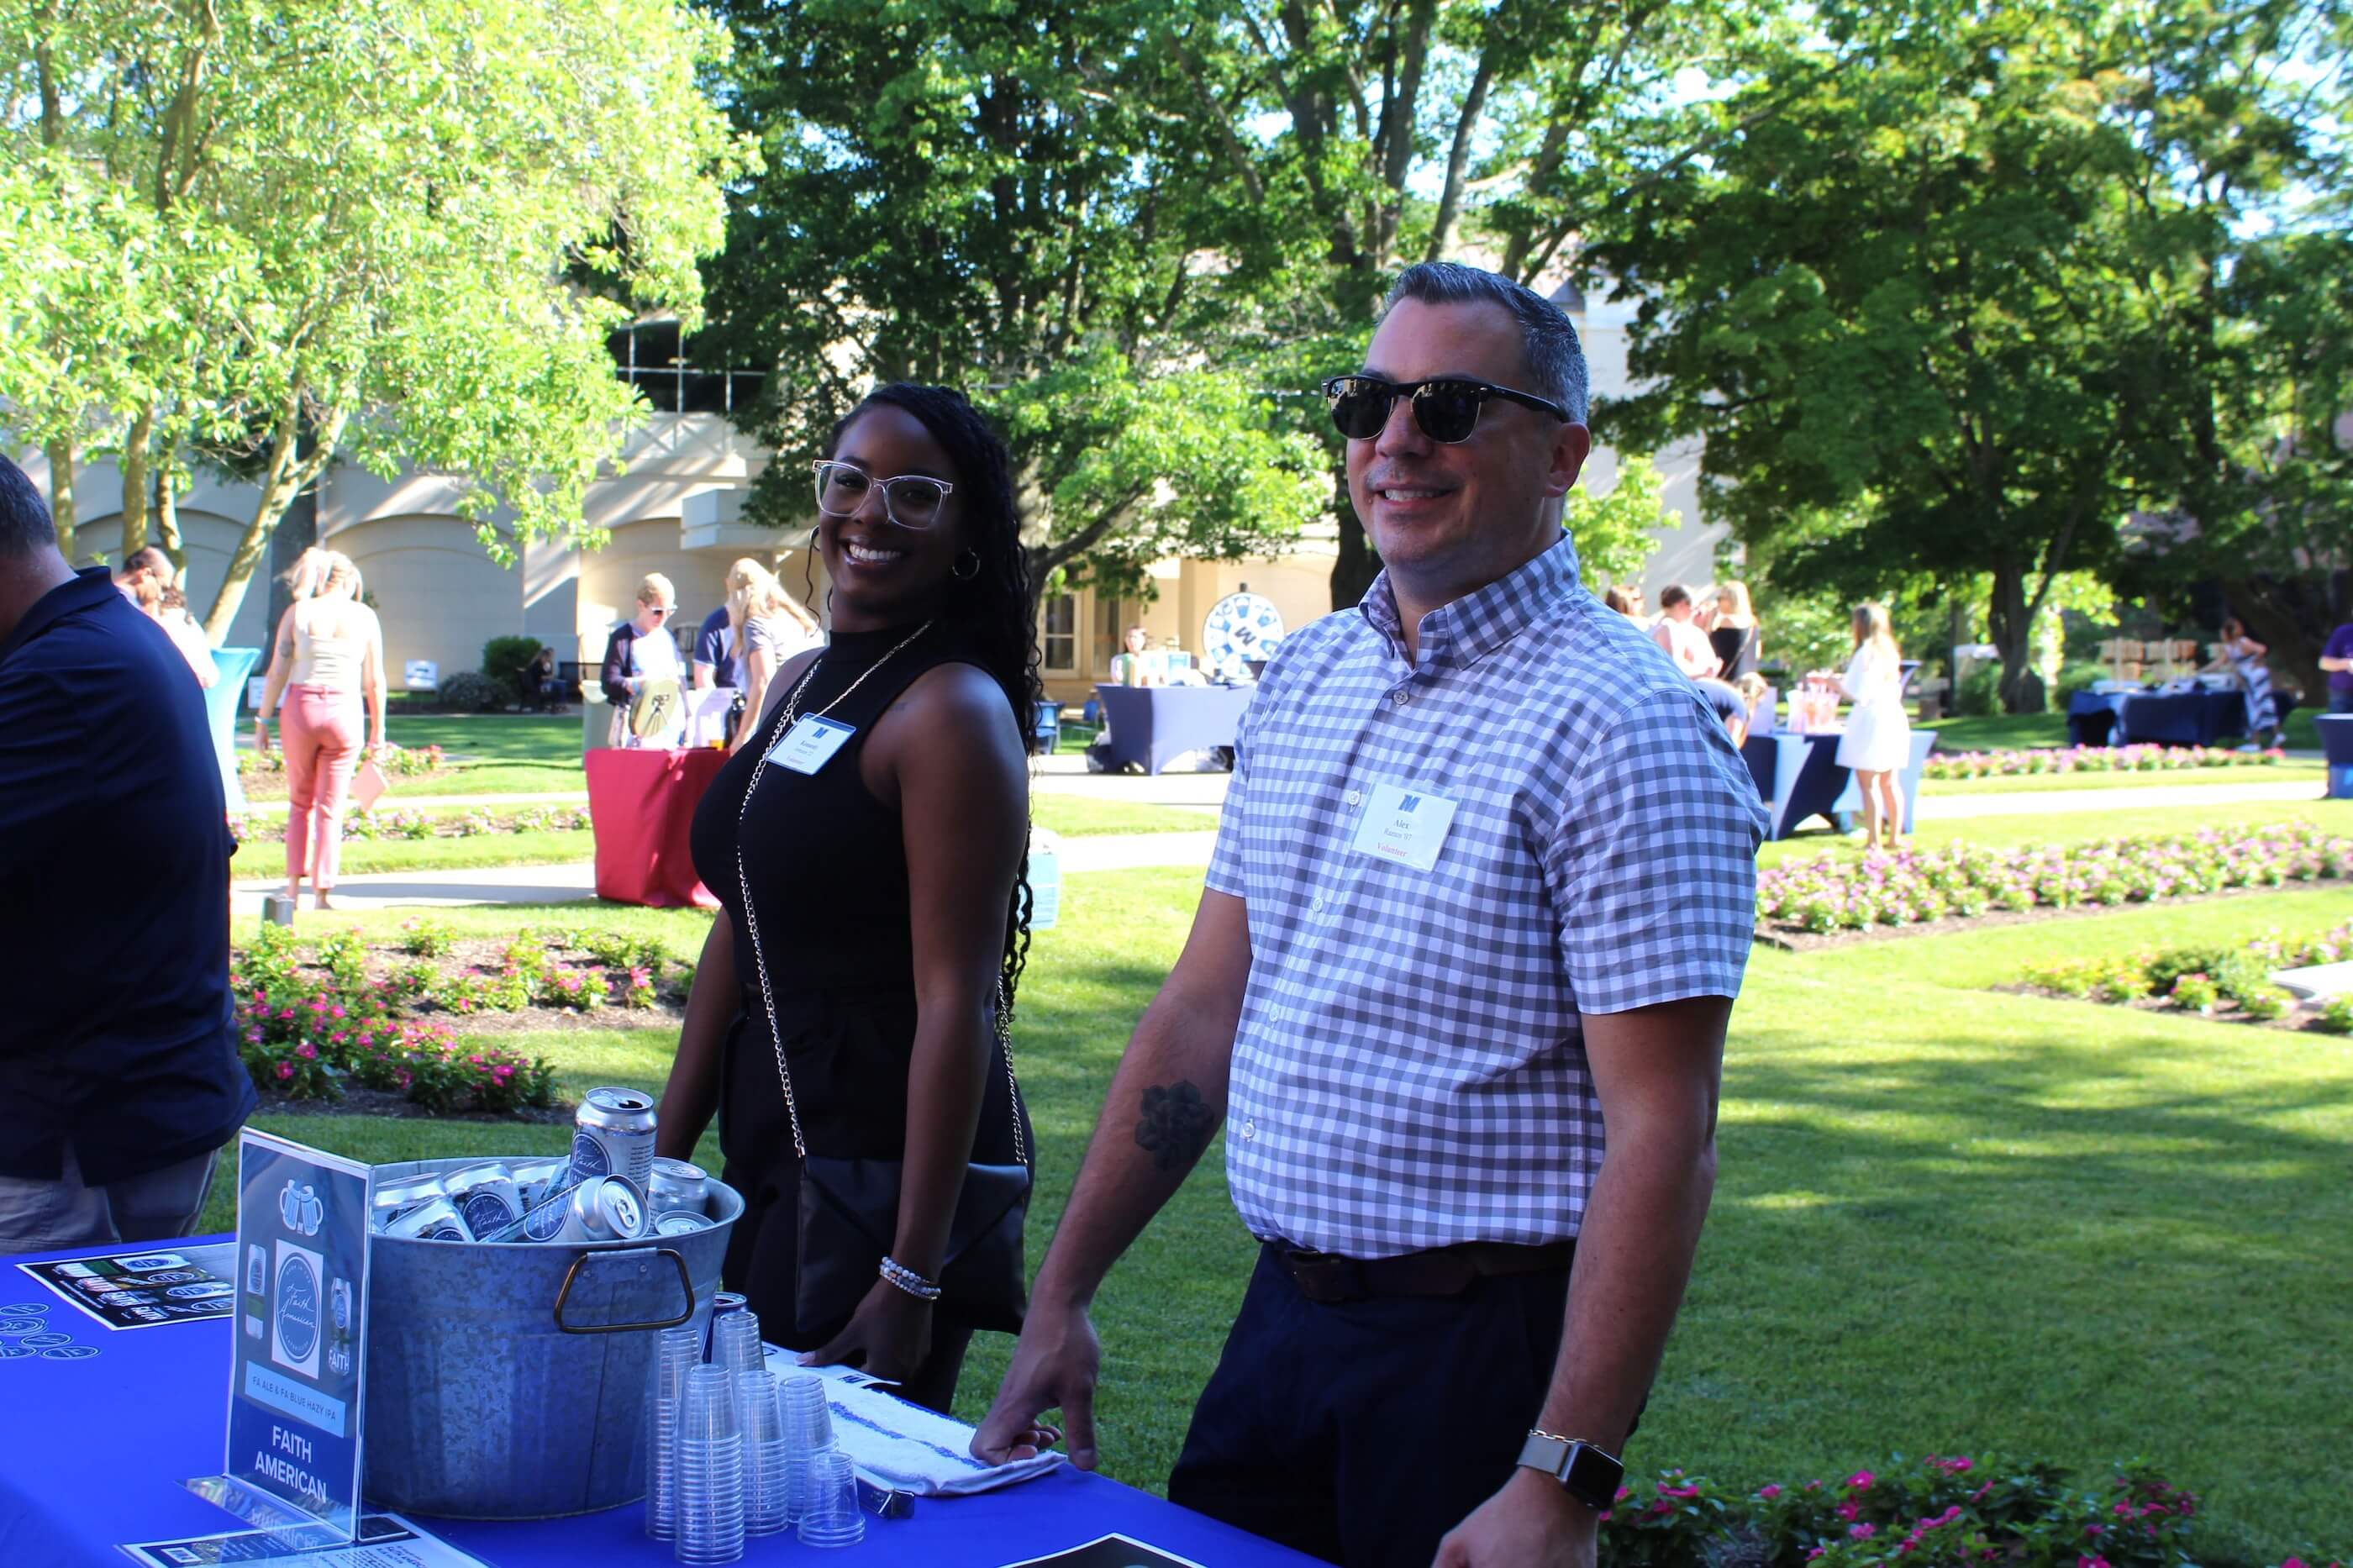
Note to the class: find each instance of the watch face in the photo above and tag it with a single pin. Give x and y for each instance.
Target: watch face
(1592, 1476)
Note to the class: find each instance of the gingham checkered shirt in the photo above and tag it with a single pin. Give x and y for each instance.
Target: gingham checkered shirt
(1410, 1071)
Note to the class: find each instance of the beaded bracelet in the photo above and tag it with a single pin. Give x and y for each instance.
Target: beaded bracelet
(907, 1279)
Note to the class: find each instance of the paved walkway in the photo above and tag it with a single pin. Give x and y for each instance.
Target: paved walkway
(1133, 851)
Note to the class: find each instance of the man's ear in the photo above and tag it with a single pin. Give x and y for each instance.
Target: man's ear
(1571, 444)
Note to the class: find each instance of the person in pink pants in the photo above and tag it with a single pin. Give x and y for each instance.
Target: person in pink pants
(327, 663)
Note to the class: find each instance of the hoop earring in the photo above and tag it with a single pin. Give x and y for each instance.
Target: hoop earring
(965, 577)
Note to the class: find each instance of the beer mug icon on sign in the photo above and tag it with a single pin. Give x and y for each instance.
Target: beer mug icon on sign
(300, 1209)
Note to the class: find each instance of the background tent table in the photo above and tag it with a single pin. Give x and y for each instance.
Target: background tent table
(1799, 777)
(2337, 744)
(641, 804)
(77, 1483)
(2161, 719)
(1153, 725)
(221, 700)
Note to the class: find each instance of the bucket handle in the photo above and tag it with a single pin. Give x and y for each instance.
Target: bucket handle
(572, 1273)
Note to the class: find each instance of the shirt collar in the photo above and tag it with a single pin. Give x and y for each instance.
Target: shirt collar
(89, 586)
(1460, 634)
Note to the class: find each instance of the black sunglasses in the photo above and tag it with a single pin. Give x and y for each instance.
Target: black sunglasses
(1446, 408)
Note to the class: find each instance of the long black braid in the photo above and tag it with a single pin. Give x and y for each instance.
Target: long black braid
(993, 609)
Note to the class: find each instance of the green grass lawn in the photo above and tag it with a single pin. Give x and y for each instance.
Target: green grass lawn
(2313, 773)
(1947, 1219)
(546, 738)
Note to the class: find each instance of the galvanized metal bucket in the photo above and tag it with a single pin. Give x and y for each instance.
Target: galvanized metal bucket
(508, 1379)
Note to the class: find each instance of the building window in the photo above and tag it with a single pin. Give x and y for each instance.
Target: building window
(647, 356)
(1062, 633)
(1107, 642)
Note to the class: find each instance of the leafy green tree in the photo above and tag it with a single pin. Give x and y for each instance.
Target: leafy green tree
(359, 219)
(996, 197)
(1616, 533)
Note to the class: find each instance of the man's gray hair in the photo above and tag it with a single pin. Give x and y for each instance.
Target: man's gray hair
(1555, 359)
(24, 522)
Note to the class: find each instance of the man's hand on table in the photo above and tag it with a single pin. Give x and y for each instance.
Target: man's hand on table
(1530, 1523)
(1055, 1366)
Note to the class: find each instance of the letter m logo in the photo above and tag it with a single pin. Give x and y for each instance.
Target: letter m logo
(1409, 802)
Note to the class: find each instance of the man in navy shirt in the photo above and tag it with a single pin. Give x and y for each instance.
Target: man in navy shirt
(2337, 658)
(119, 1071)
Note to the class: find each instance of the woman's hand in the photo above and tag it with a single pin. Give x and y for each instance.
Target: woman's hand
(262, 736)
(892, 1330)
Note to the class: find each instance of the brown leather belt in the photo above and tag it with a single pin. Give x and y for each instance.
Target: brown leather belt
(1328, 1278)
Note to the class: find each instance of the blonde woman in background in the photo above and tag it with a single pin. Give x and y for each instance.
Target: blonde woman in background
(327, 662)
(1878, 738)
(718, 657)
(768, 626)
(1733, 632)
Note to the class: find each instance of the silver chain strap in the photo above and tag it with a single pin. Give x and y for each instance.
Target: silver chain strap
(752, 920)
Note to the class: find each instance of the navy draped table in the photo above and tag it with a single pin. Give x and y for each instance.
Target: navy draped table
(2161, 719)
(1799, 777)
(1151, 726)
(102, 1442)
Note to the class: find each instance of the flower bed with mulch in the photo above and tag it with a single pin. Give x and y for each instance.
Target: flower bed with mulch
(2231, 984)
(414, 825)
(1834, 896)
(2027, 761)
(317, 1021)
(262, 775)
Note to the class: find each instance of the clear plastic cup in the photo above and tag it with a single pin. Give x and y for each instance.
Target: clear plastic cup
(735, 1344)
(709, 1468)
(808, 1425)
(767, 1505)
(674, 1352)
(832, 1518)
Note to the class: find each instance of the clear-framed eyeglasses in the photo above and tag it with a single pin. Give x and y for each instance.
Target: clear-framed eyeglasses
(911, 500)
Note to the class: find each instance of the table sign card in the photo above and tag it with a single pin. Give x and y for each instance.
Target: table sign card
(298, 1362)
(177, 1284)
(384, 1540)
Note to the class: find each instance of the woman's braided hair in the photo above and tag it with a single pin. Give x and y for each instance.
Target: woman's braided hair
(993, 609)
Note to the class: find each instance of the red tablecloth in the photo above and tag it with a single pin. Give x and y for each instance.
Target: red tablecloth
(641, 804)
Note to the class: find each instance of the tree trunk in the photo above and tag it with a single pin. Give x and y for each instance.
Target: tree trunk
(281, 482)
(2010, 620)
(61, 456)
(135, 485)
(1357, 566)
(167, 522)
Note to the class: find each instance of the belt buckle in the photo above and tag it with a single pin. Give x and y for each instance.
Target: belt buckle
(1325, 1277)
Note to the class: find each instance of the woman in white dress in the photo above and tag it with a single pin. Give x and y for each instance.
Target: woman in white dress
(1878, 738)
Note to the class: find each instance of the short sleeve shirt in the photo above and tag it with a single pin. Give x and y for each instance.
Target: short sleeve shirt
(1410, 1069)
(2340, 645)
(710, 648)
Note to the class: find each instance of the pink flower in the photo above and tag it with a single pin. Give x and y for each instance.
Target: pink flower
(306, 1051)
(1860, 1480)
(335, 1012)
(1769, 1492)
(285, 1070)
(2091, 1562)
(1861, 1532)
(1847, 1510)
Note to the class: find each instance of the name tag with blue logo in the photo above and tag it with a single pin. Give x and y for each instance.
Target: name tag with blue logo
(811, 743)
(1406, 825)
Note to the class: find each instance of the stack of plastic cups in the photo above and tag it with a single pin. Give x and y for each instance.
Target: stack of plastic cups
(832, 1518)
(677, 1350)
(735, 1344)
(808, 1432)
(767, 1504)
(710, 1468)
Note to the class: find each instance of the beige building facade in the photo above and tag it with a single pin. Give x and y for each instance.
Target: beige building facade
(674, 505)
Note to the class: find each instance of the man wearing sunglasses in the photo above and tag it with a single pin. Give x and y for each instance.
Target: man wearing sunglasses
(1485, 885)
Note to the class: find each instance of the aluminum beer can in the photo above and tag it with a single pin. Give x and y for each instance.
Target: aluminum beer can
(609, 1208)
(614, 1136)
(679, 1222)
(436, 1219)
(485, 1196)
(675, 1185)
(397, 1197)
(722, 1303)
(537, 1180)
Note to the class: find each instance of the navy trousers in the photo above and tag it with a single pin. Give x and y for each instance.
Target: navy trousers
(1361, 1432)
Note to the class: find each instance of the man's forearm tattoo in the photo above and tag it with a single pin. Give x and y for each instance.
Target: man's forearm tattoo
(1176, 1127)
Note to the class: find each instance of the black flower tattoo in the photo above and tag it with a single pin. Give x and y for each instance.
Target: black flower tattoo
(1176, 1126)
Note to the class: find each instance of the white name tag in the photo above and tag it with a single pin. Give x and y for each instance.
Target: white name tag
(1406, 825)
(811, 743)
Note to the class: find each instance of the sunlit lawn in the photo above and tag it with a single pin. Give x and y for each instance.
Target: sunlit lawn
(1949, 1219)
(2077, 826)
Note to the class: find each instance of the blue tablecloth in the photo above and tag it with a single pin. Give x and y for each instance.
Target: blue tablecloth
(2148, 718)
(223, 699)
(1799, 777)
(1153, 725)
(97, 1450)
(2337, 744)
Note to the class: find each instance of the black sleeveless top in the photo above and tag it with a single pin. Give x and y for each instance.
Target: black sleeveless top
(1736, 647)
(827, 865)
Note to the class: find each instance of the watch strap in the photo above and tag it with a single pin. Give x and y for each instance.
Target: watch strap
(1586, 1471)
